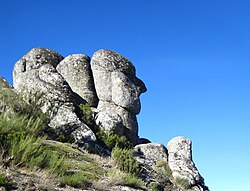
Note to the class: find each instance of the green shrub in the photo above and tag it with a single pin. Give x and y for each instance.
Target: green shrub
(3, 180)
(125, 161)
(154, 186)
(106, 140)
(182, 182)
(111, 140)
(77, 180)
(131, 180)
(20, 138)
(163, 169)
(87, 114)
(118, 177)
(30, 107)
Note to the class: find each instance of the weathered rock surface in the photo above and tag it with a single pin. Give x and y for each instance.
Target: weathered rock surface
(36, 74)
(180, 160)
(129, 120)
(76, 70)
(111, 87)
(110, 121)
(149, 154)
(118, 88)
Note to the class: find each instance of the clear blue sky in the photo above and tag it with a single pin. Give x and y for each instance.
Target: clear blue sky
(193, 55)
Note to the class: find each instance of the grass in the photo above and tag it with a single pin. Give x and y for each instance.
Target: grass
(182, 182)
(3, 180)
(76, 180)
(106, 140)
(163, 169)
(118, 177)
(125, 161)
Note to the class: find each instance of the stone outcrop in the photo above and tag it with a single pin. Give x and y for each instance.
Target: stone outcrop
(76, 70)
(149, 154)
(118, 89)
(180, 161)
(109, 84)
(35, 74)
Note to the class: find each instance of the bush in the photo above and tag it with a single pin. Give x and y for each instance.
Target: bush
(15, 102)
(154, 186)
(16, 129)
(125, 161)
(20, 138)
(3, 180)
(163, 169)
(126, 179)
(87, 114)
(77, 180)
(110, 141)
(182, 182)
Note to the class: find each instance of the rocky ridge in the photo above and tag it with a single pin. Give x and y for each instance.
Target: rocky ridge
(108, 83)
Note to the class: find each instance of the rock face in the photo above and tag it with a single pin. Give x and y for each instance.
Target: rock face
(180, 161)
(36, 74)
(76, 70)
(118, 89)
(109, 84)
(149, 154)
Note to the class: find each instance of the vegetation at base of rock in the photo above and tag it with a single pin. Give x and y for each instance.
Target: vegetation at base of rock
(125, 161)
(87, 114)
(182, 182)
(3, 180)
(126, 179)
(154, 186)
(163, 169)
(77, 180)
(15, 102)
(20, 140)
(106, 140)
(111, 140)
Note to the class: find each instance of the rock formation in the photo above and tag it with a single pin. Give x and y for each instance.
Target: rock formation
(118, 90)
(76, 70)
(180, 161)
(149, 154)
(35, 74)
(109, 84)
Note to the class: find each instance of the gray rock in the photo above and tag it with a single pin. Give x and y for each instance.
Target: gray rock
(180, 160)
(149, 154)
(118, 88)
(124, 93)
(110, 121)
(67, 121)
(129, 120)
(77, 72)
(34, 75)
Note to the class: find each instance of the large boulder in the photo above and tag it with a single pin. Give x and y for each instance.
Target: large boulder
(149, 154)
(35, 75)
(180, 161)
(118, 88)
(110, 121)
(77, 72)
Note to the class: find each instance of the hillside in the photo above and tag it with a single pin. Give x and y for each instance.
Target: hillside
(70, 124)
